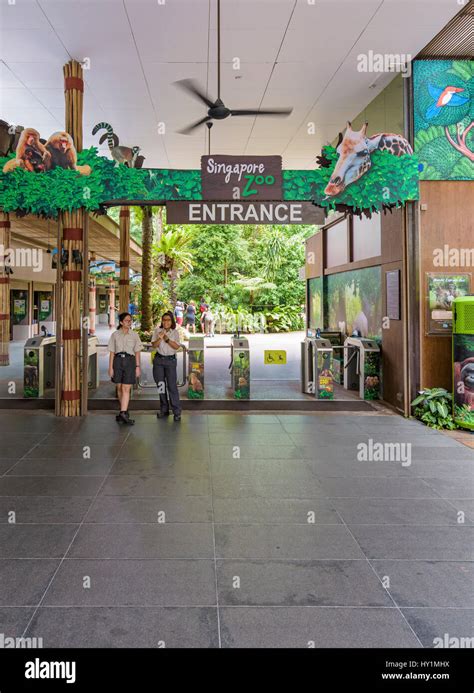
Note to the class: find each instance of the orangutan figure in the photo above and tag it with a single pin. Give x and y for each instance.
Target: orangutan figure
(63, 153)
(31, 154)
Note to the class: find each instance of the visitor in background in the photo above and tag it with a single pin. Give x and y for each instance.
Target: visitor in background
(208, 321)
(178, 312)
(190, 321)
(124, 363)
(166, 340)
(202, 309)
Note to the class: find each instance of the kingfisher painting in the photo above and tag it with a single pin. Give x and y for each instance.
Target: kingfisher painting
(449, 96)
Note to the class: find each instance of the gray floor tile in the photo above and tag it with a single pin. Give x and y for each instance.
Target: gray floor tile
(24, 422)
(163, 467)
(133, 583)
(231, 420)
(88, 437)
(319, 627)
(299, 583)
(49, 486)
(464, 504)
(431, 624)
(452, 488)
(350, 469)
(154, 486)
(427, 543)
(62, 467)
(429, 583)
(384, 487)
(264, 469)
(39, 509)
(255, 437)
(122, 509)
(274, 511)
(310, 542)
(35, 541)
(143, 541)
(450, 468)
(172, 453)
(7, 463)
(131, 627)
(395, 511)
(269, 487)
(17, 450)
(14, 620)
(253, 452)
(74, 451)
(24, 581)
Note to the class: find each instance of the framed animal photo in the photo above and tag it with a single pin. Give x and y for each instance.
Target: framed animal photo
(441, 290)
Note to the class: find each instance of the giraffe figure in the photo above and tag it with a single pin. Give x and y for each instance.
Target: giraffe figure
(354, 151)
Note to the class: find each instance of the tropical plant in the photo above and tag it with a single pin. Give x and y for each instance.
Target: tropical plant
(253, 285)
(173, 257)
(433, 408)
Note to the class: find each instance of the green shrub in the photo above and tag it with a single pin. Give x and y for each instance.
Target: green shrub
(433, 408)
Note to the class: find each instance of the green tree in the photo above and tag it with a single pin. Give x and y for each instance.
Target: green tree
(173, 257)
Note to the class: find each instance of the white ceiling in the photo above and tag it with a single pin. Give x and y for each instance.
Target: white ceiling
(300, 53)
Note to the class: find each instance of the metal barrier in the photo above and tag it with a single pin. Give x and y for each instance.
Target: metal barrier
(147, 348)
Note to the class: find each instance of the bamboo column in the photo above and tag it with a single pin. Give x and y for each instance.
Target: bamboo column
(72, 237)
(73, 93)
(111, 291)
(124, 282)
(92, 305)
(4, 291)
(72, 279)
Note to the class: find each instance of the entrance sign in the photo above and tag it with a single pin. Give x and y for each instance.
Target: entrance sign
(386, 175)
(241, 177)
(243, 213)
(274, 357)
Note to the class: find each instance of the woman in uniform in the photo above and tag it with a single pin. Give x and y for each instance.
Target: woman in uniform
(124, 363)
(166, 340)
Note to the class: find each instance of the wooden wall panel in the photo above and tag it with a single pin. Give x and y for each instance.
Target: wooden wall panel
(448, 219)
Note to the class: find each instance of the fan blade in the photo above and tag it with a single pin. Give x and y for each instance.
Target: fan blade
(193, 88)
(274, 111)
(193, 126)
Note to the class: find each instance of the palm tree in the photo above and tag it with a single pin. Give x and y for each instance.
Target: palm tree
(172, 256)
(253, 285)
(275, 254)
(145, 214)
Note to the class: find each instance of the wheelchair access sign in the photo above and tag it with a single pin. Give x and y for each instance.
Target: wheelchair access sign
(274, 357)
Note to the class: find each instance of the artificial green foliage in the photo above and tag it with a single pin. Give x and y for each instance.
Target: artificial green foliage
(433, 407)
(390, 181)
(45, 193)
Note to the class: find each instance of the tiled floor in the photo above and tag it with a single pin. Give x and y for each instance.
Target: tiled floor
(258, 530)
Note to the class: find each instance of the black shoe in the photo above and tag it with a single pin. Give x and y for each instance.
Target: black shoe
(162, 414)
(177, 417)
(125, 417)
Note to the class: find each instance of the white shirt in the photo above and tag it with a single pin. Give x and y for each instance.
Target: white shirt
(128, 342)
(164, 348)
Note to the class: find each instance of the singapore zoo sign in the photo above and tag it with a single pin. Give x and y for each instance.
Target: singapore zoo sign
(361, 175)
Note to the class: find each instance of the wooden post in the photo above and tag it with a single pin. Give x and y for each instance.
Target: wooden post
(92, 305)
(124, 282)
(72, 240)
(4, 291)
(73, 93)
(111, 292)
(85, 317)
(71, 251)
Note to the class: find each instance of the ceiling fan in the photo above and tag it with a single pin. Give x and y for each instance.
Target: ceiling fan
(217, 110)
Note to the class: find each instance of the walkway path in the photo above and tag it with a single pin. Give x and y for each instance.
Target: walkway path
(233, 530)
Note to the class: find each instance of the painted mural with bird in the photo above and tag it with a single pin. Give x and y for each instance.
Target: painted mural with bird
(129, 156)
(449, 96)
